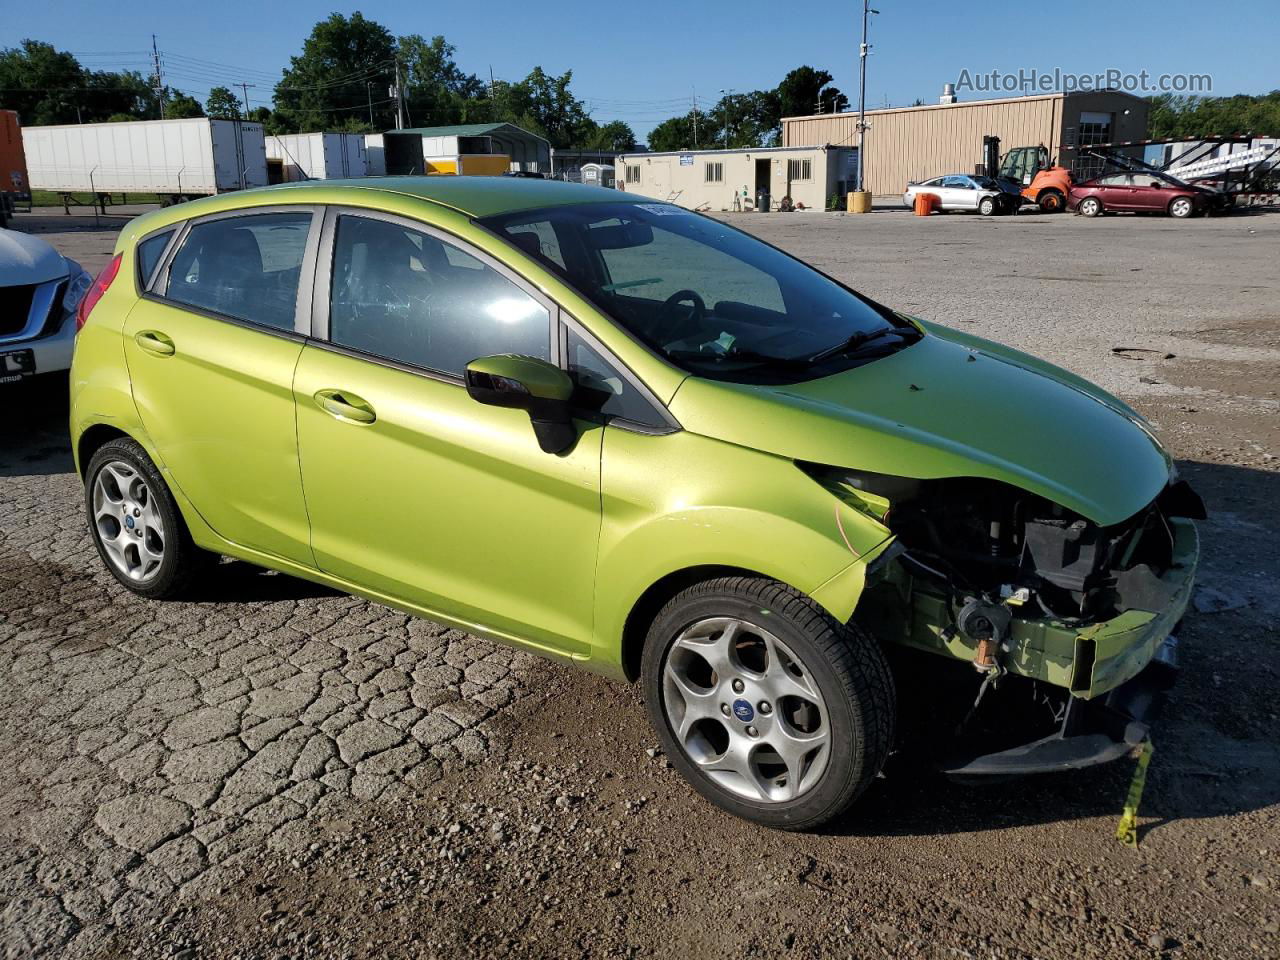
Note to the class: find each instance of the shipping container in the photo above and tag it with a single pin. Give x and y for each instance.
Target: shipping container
(316, 156)
(174, 158)
(13, 160)
(375, 150)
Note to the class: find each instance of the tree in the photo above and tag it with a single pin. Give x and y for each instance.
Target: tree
(614, 137)
(436, 90)
(326, 84)
(677, 134)
(222, 104)
(1194, 116)
(543, 104)
(46, 86)
(179, 105)
(805, 90)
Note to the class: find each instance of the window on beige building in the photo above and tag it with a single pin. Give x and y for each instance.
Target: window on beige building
(633, 173)
(800, 169)
(715, 173)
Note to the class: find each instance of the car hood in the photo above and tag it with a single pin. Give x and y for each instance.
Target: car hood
(949, 405)
(26, 259)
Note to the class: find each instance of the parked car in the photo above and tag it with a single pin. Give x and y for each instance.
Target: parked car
(1136, 193)
(39, 293)
(961, 191)
(638, 440)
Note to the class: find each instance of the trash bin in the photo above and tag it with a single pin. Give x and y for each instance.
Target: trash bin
(762, 201)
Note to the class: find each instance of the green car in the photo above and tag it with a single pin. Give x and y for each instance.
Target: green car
(630, 437)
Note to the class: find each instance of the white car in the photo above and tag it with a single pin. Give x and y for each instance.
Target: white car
(39, 292)
(961, 191)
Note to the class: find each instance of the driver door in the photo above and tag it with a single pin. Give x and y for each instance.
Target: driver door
(416, 491)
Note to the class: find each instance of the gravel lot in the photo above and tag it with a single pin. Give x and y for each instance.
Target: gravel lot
(276, 770)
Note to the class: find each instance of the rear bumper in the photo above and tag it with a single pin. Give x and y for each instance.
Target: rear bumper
(1092, 732)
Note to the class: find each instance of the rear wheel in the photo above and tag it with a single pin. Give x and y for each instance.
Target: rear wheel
(136, 526)
(1181, 207)
(1052, 201)
(1090, 207)
(768, 706)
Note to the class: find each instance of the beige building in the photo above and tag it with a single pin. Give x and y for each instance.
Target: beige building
(717, 179)
(916, 143)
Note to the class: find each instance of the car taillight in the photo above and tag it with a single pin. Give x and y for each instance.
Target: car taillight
(95, 292)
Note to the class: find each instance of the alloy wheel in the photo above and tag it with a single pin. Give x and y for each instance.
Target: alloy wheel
(746, 710)
(127, 522)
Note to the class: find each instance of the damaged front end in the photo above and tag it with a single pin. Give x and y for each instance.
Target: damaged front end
(1072, 619)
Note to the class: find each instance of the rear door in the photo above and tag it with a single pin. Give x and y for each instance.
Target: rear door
(211, 349)
(415, 490)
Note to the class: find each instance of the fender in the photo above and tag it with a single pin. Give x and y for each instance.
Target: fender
(706, 515)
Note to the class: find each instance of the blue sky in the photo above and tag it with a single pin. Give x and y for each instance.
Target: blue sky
(643, 70)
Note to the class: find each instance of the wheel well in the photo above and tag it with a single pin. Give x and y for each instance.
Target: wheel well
(654, 599)
(92, 439)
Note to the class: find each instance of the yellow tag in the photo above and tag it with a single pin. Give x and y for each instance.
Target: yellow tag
(1127, 831)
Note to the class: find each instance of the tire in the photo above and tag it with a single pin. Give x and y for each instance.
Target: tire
(161, 561)
(1090, 207)
(987, 206)
(1181, 207)
(1052, 201)
(806, 674)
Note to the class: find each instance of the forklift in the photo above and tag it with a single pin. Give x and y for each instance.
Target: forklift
(1031, 172)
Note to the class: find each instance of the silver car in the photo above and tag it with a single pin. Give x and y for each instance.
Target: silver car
(961, 191)
(39, 293)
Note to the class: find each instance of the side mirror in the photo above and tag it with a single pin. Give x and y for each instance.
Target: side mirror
(539, 388)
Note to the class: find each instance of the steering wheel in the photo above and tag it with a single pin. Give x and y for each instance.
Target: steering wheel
(670, 319)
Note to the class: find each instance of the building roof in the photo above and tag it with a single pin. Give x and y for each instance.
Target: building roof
(966, 103)
(467, 130)
(473, 196)
(721, 152)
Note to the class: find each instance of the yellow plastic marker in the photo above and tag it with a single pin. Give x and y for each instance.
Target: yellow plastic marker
(1127, 831)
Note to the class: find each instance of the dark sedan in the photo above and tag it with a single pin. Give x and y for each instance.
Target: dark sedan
(1135, 193)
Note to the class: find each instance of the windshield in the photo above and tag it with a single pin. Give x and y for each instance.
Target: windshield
(713, 300)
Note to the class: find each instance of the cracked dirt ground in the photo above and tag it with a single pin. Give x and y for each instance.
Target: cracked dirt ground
(275, 770)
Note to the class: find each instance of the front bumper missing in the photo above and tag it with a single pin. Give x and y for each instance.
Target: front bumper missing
(1092, 732)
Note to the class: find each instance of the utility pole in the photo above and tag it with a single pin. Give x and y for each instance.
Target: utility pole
(159, 82)
(724, 98)
(862, 93)
(695, 118)
(399, 95)
(244, 88)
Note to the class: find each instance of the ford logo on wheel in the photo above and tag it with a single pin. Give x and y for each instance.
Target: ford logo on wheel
(743, 711)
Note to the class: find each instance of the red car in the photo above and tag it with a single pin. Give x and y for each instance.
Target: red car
(1135, 192)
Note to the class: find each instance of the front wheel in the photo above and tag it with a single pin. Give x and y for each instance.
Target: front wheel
(135, 524)
(768, 706)
(1090, 207)
(1051, 201)
(987, 206)
(1181, 207)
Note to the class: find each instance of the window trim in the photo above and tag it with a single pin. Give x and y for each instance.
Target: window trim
(569, 322)
(318, 329)
(144, 284)
(306, 276)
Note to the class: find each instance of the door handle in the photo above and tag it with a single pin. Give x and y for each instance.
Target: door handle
(345, 405)
(153, 341)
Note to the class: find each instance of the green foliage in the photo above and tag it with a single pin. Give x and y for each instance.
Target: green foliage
(677, 133)
(805, 90)
(179, 106)
(1195, 116)
(46, 86)
(614, 136)
(343, 63)
(222, 104)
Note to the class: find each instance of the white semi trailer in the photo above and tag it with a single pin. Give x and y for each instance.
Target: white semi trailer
(177, 159)
(316, 156)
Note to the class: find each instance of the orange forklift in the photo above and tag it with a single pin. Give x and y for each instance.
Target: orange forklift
(1031, 170)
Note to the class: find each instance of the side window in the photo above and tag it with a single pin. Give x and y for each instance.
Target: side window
(149, 253)
(244, 267)
(602, 387)
(538, 238)
(403, 294)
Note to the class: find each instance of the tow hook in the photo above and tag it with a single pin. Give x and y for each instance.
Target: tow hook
(985, 622)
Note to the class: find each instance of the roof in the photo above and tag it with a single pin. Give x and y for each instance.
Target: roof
(721, 152)
(968, 103)
(468, 130)
(473, 196)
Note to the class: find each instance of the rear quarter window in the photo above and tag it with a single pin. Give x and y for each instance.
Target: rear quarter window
(149, 253)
